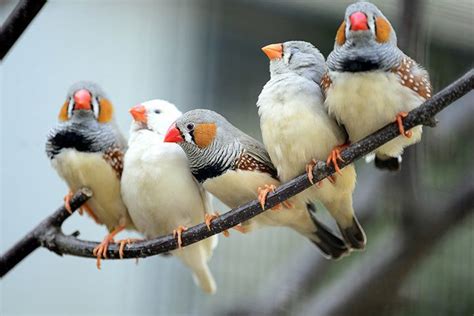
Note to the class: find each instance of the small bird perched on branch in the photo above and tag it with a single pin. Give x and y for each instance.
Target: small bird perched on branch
(371, 82)
(296, 129)
(235, 168)
(160, 191)
(87, 149)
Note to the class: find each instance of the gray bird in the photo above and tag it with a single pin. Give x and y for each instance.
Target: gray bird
(371, 82)
(235, 168)
(297, 130)
(87, 149)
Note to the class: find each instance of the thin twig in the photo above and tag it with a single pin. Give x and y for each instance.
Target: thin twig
(43, 234)
(62, 244)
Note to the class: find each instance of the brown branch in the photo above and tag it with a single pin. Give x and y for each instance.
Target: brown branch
(17, 22)
(295, 279)
(43, 234)
(62, 244)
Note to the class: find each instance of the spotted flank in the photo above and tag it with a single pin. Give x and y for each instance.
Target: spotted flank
(412, 76)
(249, 163)
(114, 157)
(325, 83)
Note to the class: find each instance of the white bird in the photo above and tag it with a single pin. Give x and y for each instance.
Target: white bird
(160, 191)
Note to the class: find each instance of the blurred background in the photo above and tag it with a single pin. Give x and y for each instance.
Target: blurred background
(206, 54)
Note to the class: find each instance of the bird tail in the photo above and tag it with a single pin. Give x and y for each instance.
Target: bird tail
(204, 279)
(354, 234)
(328, 243)
(388, 163)
(196, 256)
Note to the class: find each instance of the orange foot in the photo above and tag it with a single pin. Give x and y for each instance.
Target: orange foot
(309, 170)
(208, 218)
(177, 232)
(262, 198)
(127, 241)
(67, 201)
(240, 229)
(399, 118)
(335, 156)
(101, 250)
(262, 193)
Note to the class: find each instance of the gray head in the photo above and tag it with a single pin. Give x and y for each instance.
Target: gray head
(85, 122)
(298, 57)
(365, 41)
(208, 139)
(86, 100)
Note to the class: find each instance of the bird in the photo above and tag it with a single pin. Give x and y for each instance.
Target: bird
(370, 82)
(159, 190)
(297, 131)
(236, 169)
(86, 149)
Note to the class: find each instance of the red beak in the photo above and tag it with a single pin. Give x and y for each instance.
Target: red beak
(82, 100)
(359, 21)
(139, 113)
(173, 135)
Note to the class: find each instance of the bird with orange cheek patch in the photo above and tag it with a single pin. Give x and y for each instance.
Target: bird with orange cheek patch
(87, 149)
(154, 174)
(371, 82)
(236, 168)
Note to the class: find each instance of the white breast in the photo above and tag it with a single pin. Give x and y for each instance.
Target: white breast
(159, 189)
(295, 126)
(367, 101)
(80, 169)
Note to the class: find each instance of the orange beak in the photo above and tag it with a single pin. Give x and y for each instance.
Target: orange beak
(139, 113)
(359, 21)
(82, 100)
(173, 135)
(273, 51)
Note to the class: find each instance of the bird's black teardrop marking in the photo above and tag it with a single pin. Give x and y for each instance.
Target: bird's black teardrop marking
(207, 172)
(359, 65)
(69, 139)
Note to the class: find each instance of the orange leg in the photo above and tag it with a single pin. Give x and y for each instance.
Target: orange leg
(67, 201)
(208, 218)
(262, 193)
(287, 204)
(101, 250)
(309, 170)
(127, 241)
(335, 156)
(90, 212)
(240, 229)
(399, 118)
(177, 232)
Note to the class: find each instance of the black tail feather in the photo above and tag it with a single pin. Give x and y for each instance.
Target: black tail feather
(354, 235)
(330, 245)
(388, 163)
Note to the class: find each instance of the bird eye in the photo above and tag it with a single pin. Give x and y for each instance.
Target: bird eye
(190, 126)
(157, 111)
